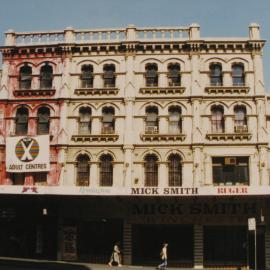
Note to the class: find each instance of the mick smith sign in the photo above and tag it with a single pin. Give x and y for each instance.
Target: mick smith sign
(27, 154)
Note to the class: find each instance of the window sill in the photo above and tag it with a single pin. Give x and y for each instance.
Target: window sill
(95, 138)
(219, 89)
(162, 137)
(96, 91)
(33, 92)
(163, 90)
(228, 136)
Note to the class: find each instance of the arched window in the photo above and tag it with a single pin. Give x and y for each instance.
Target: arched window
(22, 121)
(175, 170)
(106, 170)
(46, 76)
(85, 120)
(87, 76)
(175, 120)
(217, 119)
(151, 171)
(151, 124)
(107, 120)
(216, 74)
(240, 119)
(238, 75)
(43, 125)
(25, 78)
(83, 170)
(109, 75)
(151, 75)
(174, 78)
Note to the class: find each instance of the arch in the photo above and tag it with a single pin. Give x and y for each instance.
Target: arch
(51, 63)
(225, 106)
(110, 104)
(51, 108)
(110, 61)
(85, 62)
(175, 152)
(151, 152)
(25, 63)
(106, 152)
(215, 60)
(76, 109)
(184, 108)
(174, 60)
(82, 152)
(149, 103)
(149, 60)
(250, 108)
(14, 109)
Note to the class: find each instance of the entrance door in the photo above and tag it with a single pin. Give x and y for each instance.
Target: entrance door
(147, 242)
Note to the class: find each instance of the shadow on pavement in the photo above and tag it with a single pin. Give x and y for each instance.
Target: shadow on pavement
(17, 264)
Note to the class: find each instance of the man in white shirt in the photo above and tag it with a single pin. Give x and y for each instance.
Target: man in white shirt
(163, 255)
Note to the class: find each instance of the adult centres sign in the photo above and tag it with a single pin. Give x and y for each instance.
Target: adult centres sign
(27, 154)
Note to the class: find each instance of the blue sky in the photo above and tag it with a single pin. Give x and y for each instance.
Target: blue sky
(216, 17)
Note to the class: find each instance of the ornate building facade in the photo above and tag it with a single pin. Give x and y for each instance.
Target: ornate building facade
(154, 134)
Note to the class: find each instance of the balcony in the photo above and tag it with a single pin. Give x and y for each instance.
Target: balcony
(96, 91)
(151, 133)
(162, 90)
(219, 89)
(33, 92)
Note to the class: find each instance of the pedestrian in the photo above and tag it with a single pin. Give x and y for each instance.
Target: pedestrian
(116, 256)
(163, 256)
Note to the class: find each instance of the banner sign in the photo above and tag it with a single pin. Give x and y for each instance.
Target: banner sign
(27, 154)
(251, 224)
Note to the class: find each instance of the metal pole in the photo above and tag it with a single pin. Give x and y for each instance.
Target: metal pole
(255, 259)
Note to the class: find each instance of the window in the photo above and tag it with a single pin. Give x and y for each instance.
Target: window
(174, 78)
(46, 77)
(18, 178)
(40, 178)
(25, 78)
(175, 170)
(83, 170)
(240, 119)
(43, 125)
(109, 76)
(87, 76)
(106, 170)
(175, 121)
(108, 120)
(21, 121)
(151, 75)
(217, 119)
(85, 120)
(215, 74)
(151, 171)
(151, 124)
(238, 75)
(230, 170)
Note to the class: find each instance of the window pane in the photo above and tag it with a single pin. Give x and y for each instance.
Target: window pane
(106, 171)
(151, 171)
(83, 171)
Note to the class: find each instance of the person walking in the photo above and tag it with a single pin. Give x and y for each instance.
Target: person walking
(116, 256)
(164, 256)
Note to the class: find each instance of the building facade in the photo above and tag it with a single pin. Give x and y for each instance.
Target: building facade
(153, 135)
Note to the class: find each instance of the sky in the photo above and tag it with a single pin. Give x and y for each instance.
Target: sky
(217, 18)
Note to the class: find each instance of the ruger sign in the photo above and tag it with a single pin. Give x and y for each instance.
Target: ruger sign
(27, 154)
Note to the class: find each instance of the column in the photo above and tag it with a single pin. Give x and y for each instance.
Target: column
(162, 175)
(94, 179)
(98, 81)
(95, 125)
(264, 177)
(197, 166)
(162, 80)
(4, 94)
(260, 106)
(227, 78)
(127, 243)
(198, 246)
(208, 179)
(187, 170)
(197, 136)
(229, 123)
(163, 125)
(128, 165)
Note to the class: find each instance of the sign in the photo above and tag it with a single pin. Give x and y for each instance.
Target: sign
(27, 154)
(70, 243)
(251, 224)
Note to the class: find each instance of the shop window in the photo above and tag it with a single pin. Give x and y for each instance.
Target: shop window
(174, 78)
(151, 75)
(18, 178)
(217, 119)
(21, 125)
(87, 76)
(215, 74)
(43, 125)
(151, 123)
(83, 170)
(108, 120)
(46, 77)
(106, 170)
(85, 120)
(40, 178)
(230, 170)
(25, 77)
(175, 120)
(109, 76)
(175, 170)
(151, 171)
(238, 75)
